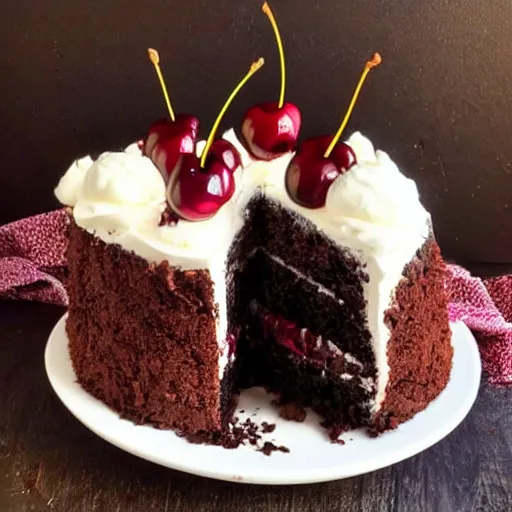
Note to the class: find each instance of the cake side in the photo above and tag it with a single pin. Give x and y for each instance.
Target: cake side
(419, 349)
(142, 336)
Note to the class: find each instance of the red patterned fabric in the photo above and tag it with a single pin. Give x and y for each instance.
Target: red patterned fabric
(485, 306)
(32, 259)
(32, 267)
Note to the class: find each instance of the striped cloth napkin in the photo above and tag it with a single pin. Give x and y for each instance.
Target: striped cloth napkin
(33, 267)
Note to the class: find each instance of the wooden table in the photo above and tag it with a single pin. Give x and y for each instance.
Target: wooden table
(49, 461)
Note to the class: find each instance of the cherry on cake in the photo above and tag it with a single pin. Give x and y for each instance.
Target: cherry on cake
(200, 268)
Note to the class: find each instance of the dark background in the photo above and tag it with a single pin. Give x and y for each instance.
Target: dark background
(75, 78)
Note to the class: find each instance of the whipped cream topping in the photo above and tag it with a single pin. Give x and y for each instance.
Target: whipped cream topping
(70, 185)
(372, 209)
(375, 202)
(117, 192)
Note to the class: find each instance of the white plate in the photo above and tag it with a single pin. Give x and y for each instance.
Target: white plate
(312, 457)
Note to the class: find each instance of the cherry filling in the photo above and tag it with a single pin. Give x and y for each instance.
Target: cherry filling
(231, 340)
(303, 343)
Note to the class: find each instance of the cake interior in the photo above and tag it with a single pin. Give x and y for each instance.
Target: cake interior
(296, 307)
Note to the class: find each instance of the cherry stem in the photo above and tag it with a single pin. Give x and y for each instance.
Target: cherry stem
(254, 67)
(266, 9)
(155, 59)
(374, 62)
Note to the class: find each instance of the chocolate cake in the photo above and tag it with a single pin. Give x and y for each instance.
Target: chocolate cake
(142, 336)
(341, 308)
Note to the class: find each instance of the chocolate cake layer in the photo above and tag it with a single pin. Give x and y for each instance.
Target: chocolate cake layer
(338, 390)
(142, 337)
(298, 300)
(419, 350)
(273, 246)
(297, 241)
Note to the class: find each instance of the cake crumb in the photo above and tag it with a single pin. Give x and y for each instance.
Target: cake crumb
(292, 412)
(267, 428)
(169, 217)
(238, 433)
(335, 431)
(268, 448)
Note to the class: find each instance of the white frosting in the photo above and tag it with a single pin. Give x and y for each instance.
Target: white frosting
(372, 209)
(70, 185)
(320, 288)
(375, 203)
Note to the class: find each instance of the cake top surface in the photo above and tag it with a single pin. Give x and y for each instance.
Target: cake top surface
(372, 207)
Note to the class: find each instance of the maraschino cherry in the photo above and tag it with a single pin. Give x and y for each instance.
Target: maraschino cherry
(199, 186)
(168, 138)
(320, 160)
(271, 129)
